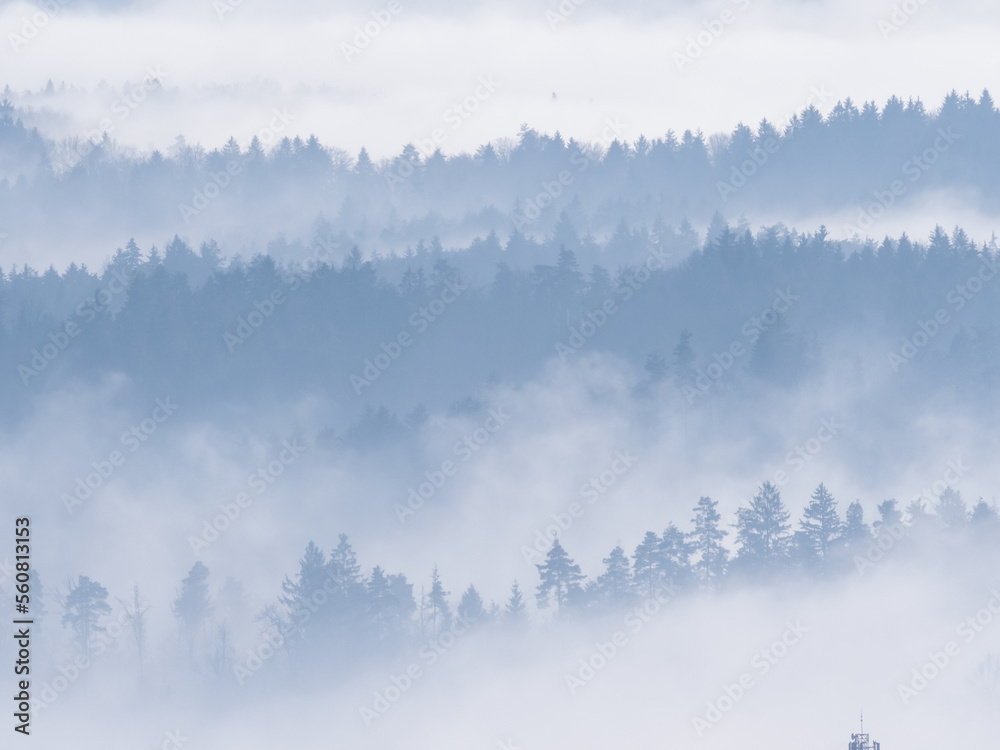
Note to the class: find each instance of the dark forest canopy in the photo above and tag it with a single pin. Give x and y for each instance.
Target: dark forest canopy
(367, 333)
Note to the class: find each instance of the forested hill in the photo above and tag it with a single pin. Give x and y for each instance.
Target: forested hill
(806, 165)
(775, 310)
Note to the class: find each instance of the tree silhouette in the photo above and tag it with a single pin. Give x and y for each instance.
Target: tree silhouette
(762, 531)
(193, 606)
(707, 542)
(560, 579)
(83, 607)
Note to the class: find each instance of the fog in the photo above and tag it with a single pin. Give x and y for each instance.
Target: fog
(578, 375)
(228, 72)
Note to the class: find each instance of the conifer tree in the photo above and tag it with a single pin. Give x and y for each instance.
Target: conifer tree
(515, 614)
(83, 607)
(711, 556)
(192, 606)
(821, 526)
(560, 579)
(614, 585)
(470, 607)
(763, 531)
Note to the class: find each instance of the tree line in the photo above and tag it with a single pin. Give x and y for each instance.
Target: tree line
(329, 612)
(789, 299)
(522, 183)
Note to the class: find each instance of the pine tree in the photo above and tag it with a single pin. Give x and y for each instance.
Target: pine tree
(515, 614)
(560, 579)
(568, 279)
(917, 516)
(821, 526)
(364, 165)
(951, 510)
(614, 586)
(762, 531)
(855, 528)
(192, 606)
(985, 515)
(683, 354)
(403, 605)
(344, 563)
(83, 607)
(347, 604)
(647, 572)
(673, 559)
(471, 608)
(437, 602)
(300, 597)
(707, 542)
(379, 598)
(889, 517)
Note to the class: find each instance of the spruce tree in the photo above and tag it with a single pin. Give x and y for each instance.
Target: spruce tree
(614, 585)
(647, 571)
(192, 606)
(707, 538)
(952, 512)
(302, 598)
(515, 614)
(436, 602)
(673, 559)
(855, 528)
(763, 531)
(83, 607)
(471, 608)
(560, 579)
(821, 526)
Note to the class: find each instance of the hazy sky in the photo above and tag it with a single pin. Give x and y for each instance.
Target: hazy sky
(228, 64)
